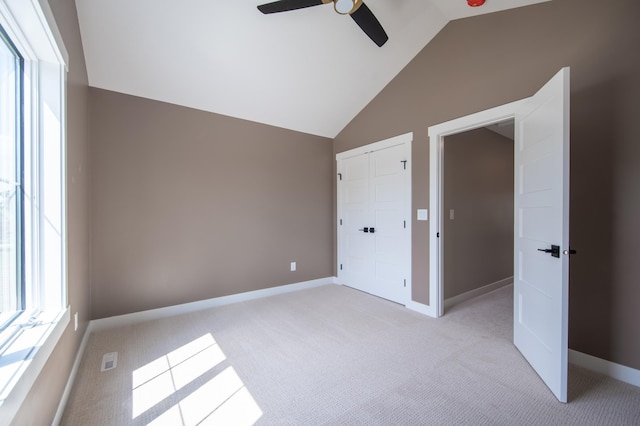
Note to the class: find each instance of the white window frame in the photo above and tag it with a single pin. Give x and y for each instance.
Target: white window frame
(31, 27)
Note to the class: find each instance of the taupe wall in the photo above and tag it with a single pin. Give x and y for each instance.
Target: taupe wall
(42, 402)
(478, 186)
(489, 60)
(189, 205)
(278, 183)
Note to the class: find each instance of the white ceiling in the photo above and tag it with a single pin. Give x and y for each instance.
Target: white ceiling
(310, 70)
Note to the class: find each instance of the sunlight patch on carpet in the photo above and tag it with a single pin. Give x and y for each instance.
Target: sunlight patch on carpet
(218, 401)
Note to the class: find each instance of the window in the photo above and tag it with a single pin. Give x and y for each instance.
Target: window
(33, 304)
(11, 218)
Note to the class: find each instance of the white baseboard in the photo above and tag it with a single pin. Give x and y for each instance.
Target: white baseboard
(111, 322)
(477, 292)
(598, 365)
(169, 311)
(421, 308)
(72, 377)
(616, 371)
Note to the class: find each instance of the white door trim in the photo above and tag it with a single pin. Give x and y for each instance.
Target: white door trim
(376, 146)
(404, 139)
(437, 134)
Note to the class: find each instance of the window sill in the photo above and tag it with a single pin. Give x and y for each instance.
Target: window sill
(23, 360)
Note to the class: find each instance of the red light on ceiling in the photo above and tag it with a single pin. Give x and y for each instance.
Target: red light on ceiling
(475, 3)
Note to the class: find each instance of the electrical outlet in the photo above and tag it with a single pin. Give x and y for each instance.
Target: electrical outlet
(75, 322)
(293, 266)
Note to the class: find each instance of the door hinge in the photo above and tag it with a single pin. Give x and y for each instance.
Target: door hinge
(405, 282)
(340, 176)
(405, 224)
(341, 266)
(438, 235)
(404, 164)
(340, 221)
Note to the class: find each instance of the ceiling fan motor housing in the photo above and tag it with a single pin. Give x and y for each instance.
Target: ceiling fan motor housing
(358, 11)
(346, 7)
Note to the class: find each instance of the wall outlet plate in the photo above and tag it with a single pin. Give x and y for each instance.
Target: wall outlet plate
(293, 266)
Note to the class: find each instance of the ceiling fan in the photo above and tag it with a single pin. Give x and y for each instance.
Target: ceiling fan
(356, 8)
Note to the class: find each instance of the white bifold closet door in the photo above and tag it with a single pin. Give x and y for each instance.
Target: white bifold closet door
(374, 236)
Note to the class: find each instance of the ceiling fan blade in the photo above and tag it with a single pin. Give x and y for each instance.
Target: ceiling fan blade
(285, 5)
(370, 25)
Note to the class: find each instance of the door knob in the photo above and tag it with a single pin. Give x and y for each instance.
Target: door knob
(554, 250)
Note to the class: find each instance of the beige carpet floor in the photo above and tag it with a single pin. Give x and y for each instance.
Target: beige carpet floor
(332, 355)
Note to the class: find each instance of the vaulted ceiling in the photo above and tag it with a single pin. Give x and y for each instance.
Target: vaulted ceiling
(309, 70)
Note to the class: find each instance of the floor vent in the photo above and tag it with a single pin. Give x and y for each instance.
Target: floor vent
(109, 361)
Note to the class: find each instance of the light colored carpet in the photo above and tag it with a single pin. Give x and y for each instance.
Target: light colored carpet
(333, 355)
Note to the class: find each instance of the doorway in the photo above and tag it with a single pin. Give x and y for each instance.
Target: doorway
(541, 223)
(477, 212)
(437, 136)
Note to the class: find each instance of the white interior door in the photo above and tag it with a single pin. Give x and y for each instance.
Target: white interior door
(356, 248)
(374, 209)
(388, 195)
(541, 279)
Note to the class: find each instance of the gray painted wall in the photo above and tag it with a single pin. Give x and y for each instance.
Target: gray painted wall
(473, 64)
(485, 61)
(189, 205)
(478, 186)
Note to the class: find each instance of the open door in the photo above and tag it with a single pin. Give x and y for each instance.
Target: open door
(541, 264)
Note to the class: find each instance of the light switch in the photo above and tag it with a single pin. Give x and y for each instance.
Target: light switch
(423, 214)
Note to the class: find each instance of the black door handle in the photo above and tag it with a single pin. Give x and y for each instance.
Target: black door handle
(372, 230)
(554, 250)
